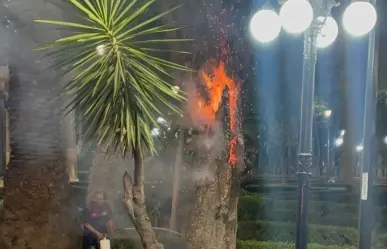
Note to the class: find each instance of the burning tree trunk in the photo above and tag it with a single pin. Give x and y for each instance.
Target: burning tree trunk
(213, 222)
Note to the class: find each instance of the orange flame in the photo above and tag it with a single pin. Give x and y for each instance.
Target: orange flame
(215, 86)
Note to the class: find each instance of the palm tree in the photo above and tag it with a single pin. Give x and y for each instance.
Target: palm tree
(119, 81)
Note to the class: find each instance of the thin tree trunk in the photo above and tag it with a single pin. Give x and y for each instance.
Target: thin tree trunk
(71, 146)
(289, 160)
(134, 201)
(176, 181)
(318, 149)
(4, 78)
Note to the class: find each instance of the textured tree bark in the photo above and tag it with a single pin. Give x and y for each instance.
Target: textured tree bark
(214, 216)
(37, 211)
(134, 201)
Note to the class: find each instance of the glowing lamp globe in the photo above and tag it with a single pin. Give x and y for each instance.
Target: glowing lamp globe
(265, 25)
(359, 18)
(339, 141)
(327, 113)
(296, 16)
(328, 32)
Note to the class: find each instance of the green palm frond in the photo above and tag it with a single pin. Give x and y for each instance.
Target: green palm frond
(119, 78)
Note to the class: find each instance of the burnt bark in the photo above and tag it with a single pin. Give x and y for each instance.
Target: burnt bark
(134, 201)
(37, 211)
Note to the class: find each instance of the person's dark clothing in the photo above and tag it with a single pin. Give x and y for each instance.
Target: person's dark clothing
(90, 240)
(97, 217)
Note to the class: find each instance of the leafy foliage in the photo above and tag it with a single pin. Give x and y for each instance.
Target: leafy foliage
(119, 78)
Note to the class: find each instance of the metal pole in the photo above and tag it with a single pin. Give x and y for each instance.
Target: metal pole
(369, 145)
(329, 168)
(306, 130)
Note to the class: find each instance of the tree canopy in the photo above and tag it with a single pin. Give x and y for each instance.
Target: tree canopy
(118, 75)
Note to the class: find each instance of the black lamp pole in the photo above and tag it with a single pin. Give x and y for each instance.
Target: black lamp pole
(306, 128)
(305, 148)
(369, 153)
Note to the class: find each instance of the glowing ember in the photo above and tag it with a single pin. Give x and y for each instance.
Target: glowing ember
(215, 85)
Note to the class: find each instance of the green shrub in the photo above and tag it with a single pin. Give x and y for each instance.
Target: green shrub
(251, 207)
(280, 245)
(315, 195)
(255, 207)
(345, 219)
(322, 206)
(286, 232)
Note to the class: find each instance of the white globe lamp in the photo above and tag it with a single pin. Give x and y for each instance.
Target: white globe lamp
(265, 25)
(296, 16)
(339, 141)
(327, 113)
(359, 18)
(328, 32)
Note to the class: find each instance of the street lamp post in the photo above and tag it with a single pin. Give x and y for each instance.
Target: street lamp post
(369, 150)
(320, 30)
(305, 148)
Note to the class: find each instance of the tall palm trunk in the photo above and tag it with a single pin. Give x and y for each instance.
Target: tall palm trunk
(37, 210)
(134, 200)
